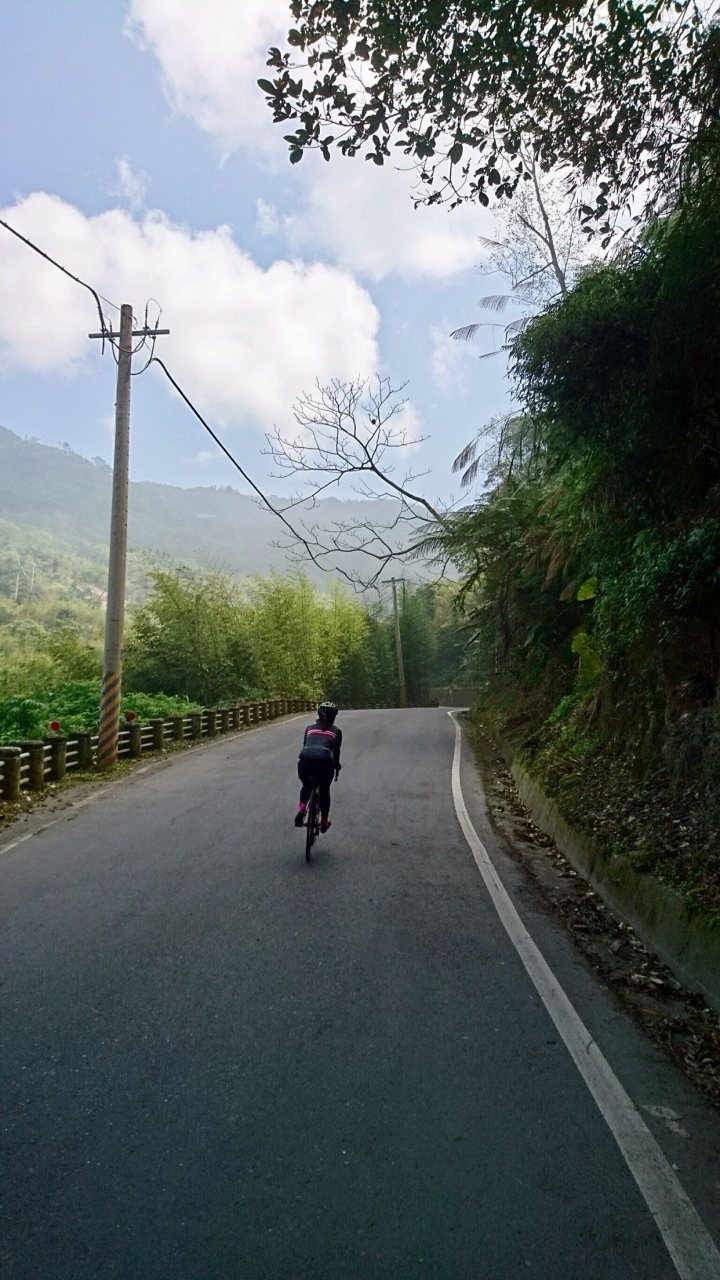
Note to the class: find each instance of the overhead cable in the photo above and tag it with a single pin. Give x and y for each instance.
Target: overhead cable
(97, 296)
(266, 502)
(153, 359)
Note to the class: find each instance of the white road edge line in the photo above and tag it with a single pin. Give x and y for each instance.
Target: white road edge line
(687, 1240)
(14, 843)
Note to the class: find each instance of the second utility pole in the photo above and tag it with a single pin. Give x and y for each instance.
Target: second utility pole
(398, 646)
(111, 691)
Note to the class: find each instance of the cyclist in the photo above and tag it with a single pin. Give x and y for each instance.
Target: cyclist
(319, 761)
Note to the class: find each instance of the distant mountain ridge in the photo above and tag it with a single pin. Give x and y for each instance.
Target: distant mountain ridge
(57, 490)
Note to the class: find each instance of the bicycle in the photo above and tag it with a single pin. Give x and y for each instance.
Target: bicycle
(312, 821)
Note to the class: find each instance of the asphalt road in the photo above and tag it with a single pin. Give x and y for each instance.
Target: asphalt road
(220, 1062)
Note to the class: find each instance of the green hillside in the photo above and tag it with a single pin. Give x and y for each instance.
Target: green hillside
(54, 489)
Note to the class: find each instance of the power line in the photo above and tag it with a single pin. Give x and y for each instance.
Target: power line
(97, 296)
(106, 332)
(153, 359)
(266, 502)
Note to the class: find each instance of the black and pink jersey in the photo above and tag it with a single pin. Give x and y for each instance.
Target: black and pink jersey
(322, 742)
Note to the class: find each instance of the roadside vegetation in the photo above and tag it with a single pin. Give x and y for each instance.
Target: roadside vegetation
(200, 637)
(208, 636)
(592, 559)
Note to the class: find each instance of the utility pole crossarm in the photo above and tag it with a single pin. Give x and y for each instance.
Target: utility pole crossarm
(134, 333)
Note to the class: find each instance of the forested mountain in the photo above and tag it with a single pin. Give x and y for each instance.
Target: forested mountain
(55, 489)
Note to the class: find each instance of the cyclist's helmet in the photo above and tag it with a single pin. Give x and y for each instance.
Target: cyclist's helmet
(327, 712)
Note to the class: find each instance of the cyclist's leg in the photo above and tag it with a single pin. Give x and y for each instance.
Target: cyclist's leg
(325, 777)
(306, 774)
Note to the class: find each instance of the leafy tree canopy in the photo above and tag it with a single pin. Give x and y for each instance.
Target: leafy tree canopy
(614, 91)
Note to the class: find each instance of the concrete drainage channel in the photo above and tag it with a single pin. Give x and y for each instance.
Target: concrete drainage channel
(32, 765)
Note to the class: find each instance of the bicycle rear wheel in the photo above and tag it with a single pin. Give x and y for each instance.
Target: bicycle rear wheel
(311, 829)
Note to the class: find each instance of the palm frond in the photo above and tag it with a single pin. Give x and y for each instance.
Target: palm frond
(496, 301)
(466, 456)
(551, 502)
(470, 474)
(465, 334)
(518, 326)
(569, 591)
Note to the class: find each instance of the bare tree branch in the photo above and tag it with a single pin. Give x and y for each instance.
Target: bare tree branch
(354, 431)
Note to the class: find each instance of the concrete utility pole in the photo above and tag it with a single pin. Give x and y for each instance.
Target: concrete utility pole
(111, 691)
(398, 642)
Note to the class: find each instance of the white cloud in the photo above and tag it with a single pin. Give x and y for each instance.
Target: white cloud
(211, 56)
(267, 221)
(131, 186)
(244, 341)
(364, 216)
(450, 359)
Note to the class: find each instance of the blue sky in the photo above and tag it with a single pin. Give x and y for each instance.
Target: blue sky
(137, 149)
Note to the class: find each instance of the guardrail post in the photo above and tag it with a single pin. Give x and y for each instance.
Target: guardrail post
(177, 727)
(58, 749)
(211, 723)
(84, 751)
(10, 761)
(224, 720)
(158, 733)
(35, 748)
(196, 724)
(135, 739)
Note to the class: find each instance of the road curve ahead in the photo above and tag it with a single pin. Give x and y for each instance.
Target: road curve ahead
(220, 1062)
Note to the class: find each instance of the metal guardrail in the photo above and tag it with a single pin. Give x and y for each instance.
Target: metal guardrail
(35, 763)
